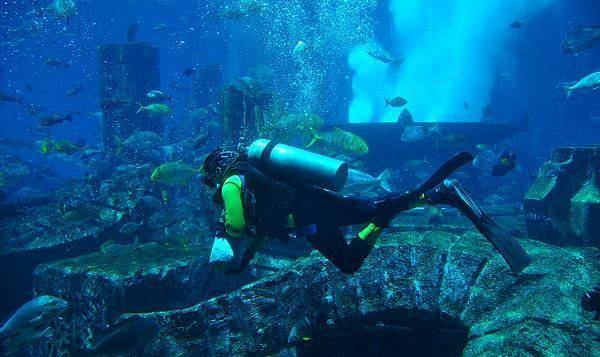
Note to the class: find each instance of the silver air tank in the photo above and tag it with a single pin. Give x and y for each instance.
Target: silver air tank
(298, 165)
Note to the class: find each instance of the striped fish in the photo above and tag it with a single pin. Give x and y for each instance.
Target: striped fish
(341, 141)
(174, 173)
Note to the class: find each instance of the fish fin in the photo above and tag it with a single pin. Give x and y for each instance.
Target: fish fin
(384, 180)
(316, 137)
(398, 62)
(120, 145)
(387, 102)
(569, 91)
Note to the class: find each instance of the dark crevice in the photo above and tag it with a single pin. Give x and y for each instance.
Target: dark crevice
(393, 333)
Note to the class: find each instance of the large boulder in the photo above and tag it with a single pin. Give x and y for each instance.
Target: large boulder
(435, 288)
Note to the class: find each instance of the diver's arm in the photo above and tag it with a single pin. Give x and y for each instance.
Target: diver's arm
(234, 209)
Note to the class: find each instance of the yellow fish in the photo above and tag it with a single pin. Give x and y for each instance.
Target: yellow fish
(341, 141)
(175, 173)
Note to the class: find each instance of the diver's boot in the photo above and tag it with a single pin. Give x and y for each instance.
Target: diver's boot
(392, 204)
(453, 194)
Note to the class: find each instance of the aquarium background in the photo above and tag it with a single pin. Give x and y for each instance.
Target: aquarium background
(488, 75)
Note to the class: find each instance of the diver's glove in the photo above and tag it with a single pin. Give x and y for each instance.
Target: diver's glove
(590, 301)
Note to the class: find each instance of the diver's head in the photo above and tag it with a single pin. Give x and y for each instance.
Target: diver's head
(215, 165)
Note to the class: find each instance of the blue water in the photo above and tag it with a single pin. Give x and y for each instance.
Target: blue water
(461, 61)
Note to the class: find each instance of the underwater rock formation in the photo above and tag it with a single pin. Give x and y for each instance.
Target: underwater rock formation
(139, 278)
(36, 238)
(563, 205)
(241, 117)
(436, 287)
(127, 73)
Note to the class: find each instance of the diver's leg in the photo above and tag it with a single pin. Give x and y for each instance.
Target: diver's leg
(392, 204)
(348, 257)
(453, 194)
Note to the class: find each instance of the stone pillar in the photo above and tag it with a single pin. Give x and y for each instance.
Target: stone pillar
(563, 205)
(240, 117)
(127, 73)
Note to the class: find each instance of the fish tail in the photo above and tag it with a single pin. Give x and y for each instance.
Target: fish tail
(387, 102)
(120, 145)
(384, 180)
(568, 91)
(69, 117)
(140, 108)
(316, 137)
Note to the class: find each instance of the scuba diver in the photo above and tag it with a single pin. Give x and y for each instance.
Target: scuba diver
(276, 191)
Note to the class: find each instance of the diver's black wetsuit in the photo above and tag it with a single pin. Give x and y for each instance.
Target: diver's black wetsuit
(318, 214)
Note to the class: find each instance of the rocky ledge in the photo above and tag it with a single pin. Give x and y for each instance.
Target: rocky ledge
(415, 291)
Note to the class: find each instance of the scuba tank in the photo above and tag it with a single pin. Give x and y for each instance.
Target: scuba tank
(294, 164)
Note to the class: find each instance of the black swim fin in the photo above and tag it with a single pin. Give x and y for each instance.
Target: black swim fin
(453, 194)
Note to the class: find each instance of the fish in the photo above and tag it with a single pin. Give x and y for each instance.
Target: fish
(590, 82)
(74, 91)
(63, 9)
(455, 140)
(414, 133)
(200, 141)
(538, 218)
(111, 247)
(81, 214)
(33, 314)
(155, 109)
(175, 173)
(516, 25)
(67, 147)
(581, 38)
(53, 119)
(405, 118)
(241, 9)
(159, 220)
(139, 141)
(199, 114)
(505, 163)
(342, 141)
(362, 182)
(302, 332)
(158, 96)
(152, 202)
(396, 102)
(27, 338)
(7, 97)
(132, 31)
(123, 338)
(189, 71)
(382, 57)
(53, 62)
(161, 26)
(130, 227)
(590, 301)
